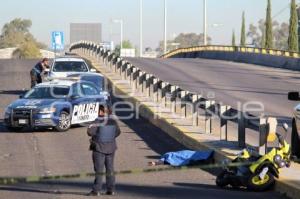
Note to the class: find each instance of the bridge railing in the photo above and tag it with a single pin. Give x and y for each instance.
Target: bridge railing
(274, 52)
(189, 105)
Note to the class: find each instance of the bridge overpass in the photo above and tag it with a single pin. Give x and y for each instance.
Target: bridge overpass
(230, 82)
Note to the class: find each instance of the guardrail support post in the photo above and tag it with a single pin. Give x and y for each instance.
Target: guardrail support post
(173, 98)
(155, 89)
(223, 121)
(207, 114)
(183, 96)
(140, 81)
(162, 93)
(242, 130)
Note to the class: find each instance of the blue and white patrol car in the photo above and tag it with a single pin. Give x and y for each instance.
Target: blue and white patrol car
(58, 104)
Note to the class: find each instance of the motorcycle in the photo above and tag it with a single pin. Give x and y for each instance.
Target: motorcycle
(253, 171)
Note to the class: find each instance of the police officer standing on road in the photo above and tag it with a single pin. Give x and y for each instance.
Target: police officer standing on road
(103, 144)
(37, 70)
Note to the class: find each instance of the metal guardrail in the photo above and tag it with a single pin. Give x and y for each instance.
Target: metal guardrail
(233, 49)
(176, 99)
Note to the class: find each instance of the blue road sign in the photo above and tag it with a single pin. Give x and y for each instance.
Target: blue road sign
(58, 40)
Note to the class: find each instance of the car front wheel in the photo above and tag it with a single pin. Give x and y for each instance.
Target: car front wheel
(64, 122)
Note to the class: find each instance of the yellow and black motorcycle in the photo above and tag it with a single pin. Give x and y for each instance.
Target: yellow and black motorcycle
(253, 171)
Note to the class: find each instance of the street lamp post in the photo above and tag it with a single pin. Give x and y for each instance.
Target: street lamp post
(141, 28)
(165, 27)
(121, 31)
(204, 24)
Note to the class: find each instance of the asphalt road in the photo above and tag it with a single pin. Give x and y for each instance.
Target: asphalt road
(47, 152)
(231, 83)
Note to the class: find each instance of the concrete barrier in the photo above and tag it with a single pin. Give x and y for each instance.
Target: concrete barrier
(245, 57)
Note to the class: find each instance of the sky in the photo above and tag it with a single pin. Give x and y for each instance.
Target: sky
(183, 16)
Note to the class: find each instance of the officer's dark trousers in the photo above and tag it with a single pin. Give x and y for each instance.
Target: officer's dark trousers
(35, 79)
(100, 160)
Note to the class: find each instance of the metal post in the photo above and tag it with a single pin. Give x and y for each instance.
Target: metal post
(242, 130)
(223, 122)
(165, 27)
(195, 100)
(204, 24)
(141, 28)
(121, 45)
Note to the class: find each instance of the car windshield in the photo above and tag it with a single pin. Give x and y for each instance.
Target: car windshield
(48, 92)
(70, 66)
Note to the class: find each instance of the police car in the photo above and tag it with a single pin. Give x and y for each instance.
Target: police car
(295, 96)
(58, 104)
(64, 66)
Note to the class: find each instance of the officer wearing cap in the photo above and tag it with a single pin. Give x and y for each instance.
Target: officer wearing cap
(103, 144)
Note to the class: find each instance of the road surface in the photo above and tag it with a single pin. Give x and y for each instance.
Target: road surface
(230, 82)
(50, 153)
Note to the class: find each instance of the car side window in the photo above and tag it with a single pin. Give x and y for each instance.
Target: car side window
(76, 90)
(89, 89)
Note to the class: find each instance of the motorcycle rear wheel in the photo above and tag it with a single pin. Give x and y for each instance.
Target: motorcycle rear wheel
(257, 184)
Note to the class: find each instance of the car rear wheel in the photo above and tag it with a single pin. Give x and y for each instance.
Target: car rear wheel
(64, 122)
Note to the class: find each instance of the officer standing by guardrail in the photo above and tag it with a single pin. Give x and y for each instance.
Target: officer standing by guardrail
(37, 70)
(103, 144)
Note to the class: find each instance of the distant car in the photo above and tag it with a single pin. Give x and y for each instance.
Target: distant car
(64, 66)
(295, 96)
(58, 104)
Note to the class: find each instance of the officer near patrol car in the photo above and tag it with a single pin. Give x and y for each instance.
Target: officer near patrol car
(37, 70)
(103, 135)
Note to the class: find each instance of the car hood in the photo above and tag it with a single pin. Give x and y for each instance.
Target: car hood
(33, 103)
(65, 74)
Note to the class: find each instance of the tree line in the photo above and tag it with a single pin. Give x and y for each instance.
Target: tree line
(271, 34)
(16, 34)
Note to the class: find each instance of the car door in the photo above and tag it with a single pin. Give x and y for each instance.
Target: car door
(78, 101)
(86, 107)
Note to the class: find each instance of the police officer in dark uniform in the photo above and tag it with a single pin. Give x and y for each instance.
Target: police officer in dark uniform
(103, 144)
(36, 72)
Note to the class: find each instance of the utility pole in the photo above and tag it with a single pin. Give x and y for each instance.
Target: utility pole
(165, 27)
(141, 28)
(204, 24)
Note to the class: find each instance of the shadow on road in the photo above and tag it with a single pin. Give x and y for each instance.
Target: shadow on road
(12, 92)
(150, 134)
(180, 190)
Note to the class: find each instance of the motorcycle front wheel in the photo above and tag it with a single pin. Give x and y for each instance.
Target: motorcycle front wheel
(257, 184)
(222, 180)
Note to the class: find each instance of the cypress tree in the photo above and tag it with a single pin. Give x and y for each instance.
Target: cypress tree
(243, 31)
(293, 28)
(233, 38)
(269, 27)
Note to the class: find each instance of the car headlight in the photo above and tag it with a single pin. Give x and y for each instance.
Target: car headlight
(47, 110)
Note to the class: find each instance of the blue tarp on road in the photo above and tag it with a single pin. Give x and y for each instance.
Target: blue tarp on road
(186, 157)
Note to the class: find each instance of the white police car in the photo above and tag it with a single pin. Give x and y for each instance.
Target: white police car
(58, 104)
(64, 66)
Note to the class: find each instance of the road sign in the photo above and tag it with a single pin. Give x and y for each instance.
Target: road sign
(57, 40)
